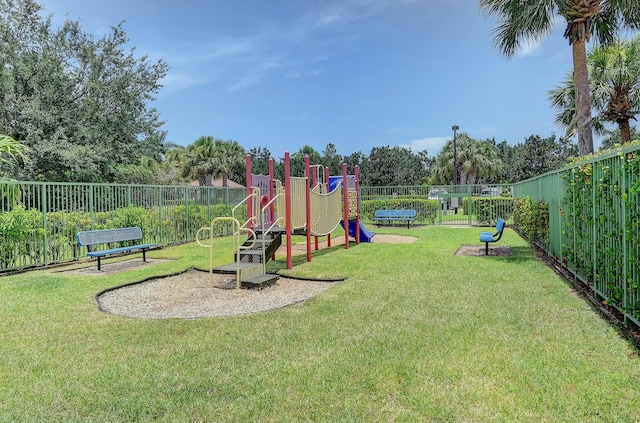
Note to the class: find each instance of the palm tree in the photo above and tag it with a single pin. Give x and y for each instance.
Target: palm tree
(209, 158)
(200, 160)
(229, 155)
(10, 146)
(614, 73)
(520, 21)
(477, 161)
(612, 138)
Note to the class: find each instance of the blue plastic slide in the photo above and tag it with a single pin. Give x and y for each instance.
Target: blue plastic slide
(365, 234)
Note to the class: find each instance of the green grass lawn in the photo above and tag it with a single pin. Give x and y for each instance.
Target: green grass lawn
(414, 334)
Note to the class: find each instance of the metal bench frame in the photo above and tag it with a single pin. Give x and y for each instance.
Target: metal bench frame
(108, 236)
(488, 237)
(394, 215)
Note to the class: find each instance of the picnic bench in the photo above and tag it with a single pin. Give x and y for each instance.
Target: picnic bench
(110, 236)
(394, 215)
(488, 237)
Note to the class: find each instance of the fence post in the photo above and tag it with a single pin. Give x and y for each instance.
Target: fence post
(43, 205)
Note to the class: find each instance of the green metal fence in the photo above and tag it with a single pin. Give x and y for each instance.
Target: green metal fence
(39, 221)
(443, 204)
(594, 221)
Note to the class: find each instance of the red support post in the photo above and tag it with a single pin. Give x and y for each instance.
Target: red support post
(271, 190)
(307, 205)
(357, 172)
(345, 200)
(326, 181)
(271, 195)
(315, 181)
(249, 191)
(287, 189)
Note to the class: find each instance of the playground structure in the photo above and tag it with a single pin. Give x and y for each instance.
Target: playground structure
(312, 205)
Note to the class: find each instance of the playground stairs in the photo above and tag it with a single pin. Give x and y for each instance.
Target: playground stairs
(271, 241)
(249, 262)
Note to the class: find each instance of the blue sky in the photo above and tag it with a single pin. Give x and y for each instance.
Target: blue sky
(283, 74)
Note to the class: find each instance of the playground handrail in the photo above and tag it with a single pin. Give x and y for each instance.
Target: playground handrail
(255, 194)
(237, 243)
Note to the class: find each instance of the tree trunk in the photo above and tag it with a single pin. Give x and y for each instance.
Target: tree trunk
(625, 131)
(583, 98)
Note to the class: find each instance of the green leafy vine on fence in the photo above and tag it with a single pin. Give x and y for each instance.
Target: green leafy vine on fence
(489, 209)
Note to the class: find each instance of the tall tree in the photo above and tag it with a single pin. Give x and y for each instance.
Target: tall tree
(199, 160)
(391, 166)
(82, 105)
(355, 159)
(615, 75)
(615, 88)
(260, 160)
(297, 160)
(520, 21)
(477, 161)
(507, 155)
(611, 138)
(332, 160)
(229, 157)
(540, 155)
(170, 168)
(208, 158)
(10, 149)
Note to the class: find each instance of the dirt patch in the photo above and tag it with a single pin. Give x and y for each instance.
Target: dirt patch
(112, 267)
(476, 250)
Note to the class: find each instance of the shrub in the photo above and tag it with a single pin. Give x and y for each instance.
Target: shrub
(489, 209)
(22, 236)
(426, 210)
(531, 219)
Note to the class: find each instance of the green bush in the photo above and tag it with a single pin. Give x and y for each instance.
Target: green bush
(488, 209)
(22, 237)
(531, 219)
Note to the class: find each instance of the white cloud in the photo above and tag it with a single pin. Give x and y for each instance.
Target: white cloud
(175, 81)
(529, 47)
(432, 145)
(533, 46)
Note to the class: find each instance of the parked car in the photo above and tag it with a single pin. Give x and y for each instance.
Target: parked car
(491, 192)
(436, 193)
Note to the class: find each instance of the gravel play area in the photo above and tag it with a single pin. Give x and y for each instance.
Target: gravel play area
(192, 295)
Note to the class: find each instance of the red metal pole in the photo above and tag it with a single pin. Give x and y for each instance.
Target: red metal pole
(287, 190)
(271, 190)
(345, 200)
(271, 195)
(308, 205)
(326, 181)
(357, 172)
(315, 181)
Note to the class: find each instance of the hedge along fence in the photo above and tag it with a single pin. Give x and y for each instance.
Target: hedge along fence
(594, 224)
(426, 210)
(487, 210)
(531, 219)
(484, 211)
(39, 221)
